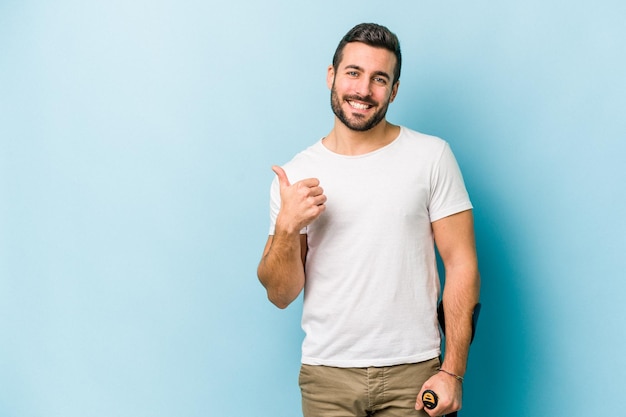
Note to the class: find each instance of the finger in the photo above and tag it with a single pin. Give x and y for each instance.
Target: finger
(418, 405)
(282, 176)
(310, 182)
(422, 400)
(316, 191)
(319, 201)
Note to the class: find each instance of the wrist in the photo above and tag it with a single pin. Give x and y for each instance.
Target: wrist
(284, 228)
(451, 374)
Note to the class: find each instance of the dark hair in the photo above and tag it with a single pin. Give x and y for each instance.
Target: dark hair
(373, 35)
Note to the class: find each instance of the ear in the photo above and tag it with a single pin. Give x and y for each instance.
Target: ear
(394, 91)
(330, 77)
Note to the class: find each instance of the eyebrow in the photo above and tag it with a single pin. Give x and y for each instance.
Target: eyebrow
(379, 73)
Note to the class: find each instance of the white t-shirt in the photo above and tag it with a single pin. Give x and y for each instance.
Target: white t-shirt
(371, 288)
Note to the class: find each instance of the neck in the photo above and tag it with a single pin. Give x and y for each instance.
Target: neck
(345, 141)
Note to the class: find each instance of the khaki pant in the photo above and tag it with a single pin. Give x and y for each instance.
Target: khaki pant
(360, 392)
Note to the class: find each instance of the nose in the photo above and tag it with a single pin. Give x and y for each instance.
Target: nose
(362, 87)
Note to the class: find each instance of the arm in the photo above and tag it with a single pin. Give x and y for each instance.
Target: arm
(454, 236)
(281, 270)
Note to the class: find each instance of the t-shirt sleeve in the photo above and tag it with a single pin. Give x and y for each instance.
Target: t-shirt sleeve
(274, 204)
(448, 193)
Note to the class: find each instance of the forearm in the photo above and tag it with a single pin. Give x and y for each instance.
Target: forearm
(460, 296)
(281, 270)
(454, 236)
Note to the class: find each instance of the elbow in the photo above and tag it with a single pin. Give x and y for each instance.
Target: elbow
(280, 299)
(281, 304)
(278, 292)
(276, 297)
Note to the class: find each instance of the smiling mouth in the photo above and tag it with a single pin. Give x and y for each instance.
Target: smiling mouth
(359, 106)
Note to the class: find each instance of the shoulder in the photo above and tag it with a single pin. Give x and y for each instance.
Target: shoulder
(420, 137)
(304, 162)
(421, 143)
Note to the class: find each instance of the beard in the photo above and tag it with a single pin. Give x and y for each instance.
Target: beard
(357, 122)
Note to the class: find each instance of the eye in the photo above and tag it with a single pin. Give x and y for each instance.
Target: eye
(380, 80)
(353, 73)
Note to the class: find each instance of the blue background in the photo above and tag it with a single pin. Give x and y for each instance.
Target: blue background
(136, 139)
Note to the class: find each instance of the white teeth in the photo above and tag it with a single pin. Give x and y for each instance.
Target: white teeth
(359, 106)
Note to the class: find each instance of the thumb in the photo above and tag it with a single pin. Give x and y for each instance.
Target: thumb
(282, 176)
(419, 405)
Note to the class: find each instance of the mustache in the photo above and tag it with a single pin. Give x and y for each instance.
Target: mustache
(365, 100)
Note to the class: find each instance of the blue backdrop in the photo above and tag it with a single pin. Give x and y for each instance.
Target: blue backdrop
(136, 139)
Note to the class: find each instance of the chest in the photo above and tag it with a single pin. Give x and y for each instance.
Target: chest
(362, 191)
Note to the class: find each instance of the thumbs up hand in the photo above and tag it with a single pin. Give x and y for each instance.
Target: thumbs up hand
(301, 203)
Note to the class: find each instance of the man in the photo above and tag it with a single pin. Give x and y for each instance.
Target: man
(362, 248)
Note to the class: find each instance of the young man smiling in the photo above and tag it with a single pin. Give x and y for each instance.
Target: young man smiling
(362, 248)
